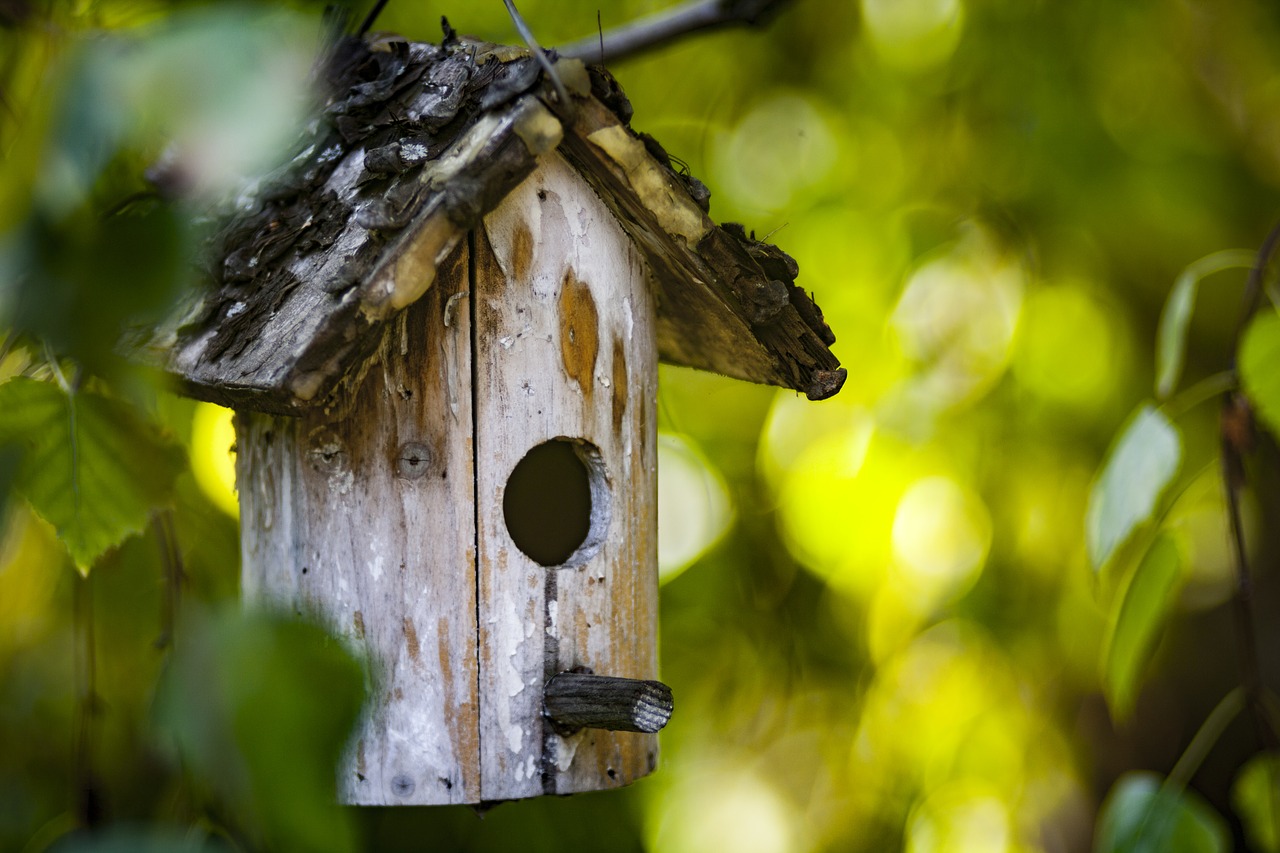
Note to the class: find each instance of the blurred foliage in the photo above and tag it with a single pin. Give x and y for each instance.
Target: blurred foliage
(900, 619)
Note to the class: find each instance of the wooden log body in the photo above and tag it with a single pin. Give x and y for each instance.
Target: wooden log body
(382, 514)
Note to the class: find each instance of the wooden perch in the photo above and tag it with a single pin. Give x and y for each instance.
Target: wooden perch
(576, 700)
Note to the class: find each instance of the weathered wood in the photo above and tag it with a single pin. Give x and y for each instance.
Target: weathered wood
(718, 309)
(415, 144)
(366, 522)
(579, 700)
(564, 331)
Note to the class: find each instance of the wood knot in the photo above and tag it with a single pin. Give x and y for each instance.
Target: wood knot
(412, 460)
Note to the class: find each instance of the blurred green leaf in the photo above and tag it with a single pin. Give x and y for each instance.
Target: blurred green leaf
(260, 707)
(90, 466)
(77, 283)
(1171, 336)
(1256, 799)
(1140, 466)
(1142, 816)
(139, 840)
(1136, 620)
(1259, 365)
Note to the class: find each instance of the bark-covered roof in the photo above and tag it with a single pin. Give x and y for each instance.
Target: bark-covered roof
(415, 143)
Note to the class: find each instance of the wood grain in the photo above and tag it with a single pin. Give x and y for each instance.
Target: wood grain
(366, 523)
(547, 367)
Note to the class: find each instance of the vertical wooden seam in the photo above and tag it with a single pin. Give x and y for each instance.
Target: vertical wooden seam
(475, 504)
(550, 663)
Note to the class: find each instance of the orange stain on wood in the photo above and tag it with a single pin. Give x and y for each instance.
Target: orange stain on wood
(619, 386)
(579, 332)
(521, 252)
(411, 640)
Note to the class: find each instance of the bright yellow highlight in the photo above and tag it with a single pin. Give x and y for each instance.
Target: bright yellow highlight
(717, 807)
(949, 721)
(956, 319)
(863, 474)
(783, 128)
(913, 34)
(1069, 348)
(30, 566)
(941, 533)
(212, 459)
(960, 818)
(693, 505)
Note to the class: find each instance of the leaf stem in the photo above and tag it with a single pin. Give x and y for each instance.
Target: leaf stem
(1204, 390)
(1236, 430)
(89, 806)
(1207, 735)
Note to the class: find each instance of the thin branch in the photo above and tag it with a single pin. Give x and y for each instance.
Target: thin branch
(538, 53)
(1204, 390)
(1254, 290)
(371, 17)
(1236, 433)
(671, 25)
(171, 561)
(1210, 730)
(89, 811)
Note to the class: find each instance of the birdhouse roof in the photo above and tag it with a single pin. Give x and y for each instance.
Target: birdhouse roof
(414, 144)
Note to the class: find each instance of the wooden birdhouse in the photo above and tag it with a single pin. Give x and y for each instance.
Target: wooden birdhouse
(439, 327)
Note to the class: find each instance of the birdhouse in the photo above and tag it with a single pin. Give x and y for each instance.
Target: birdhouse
(440, 326)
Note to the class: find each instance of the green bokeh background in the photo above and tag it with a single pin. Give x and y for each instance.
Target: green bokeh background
(878, 614)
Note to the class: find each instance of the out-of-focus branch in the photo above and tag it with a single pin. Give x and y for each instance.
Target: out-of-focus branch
(670, 25)
(1236, 433)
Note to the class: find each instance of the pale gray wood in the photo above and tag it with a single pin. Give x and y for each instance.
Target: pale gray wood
(553, 264)
(366, 522)
(578, 700)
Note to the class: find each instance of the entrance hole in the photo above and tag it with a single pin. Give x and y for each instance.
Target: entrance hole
(556, 503)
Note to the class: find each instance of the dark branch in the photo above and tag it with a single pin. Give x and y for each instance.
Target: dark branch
(670, 25)
(371, 17)
(538, 54)
(1236, 432)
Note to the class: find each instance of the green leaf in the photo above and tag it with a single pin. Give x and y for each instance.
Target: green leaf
(1256, 799)
(1140, 466)
(260, 707)
(1136, 621)
(138, 840)
(1259, 365)
(1142, 816)
(90, 466)
(1171, 337)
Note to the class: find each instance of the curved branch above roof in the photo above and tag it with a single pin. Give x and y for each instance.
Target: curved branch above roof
(415, 144)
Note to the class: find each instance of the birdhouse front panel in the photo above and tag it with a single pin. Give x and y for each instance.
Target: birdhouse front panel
(566, 374)
(363, 517)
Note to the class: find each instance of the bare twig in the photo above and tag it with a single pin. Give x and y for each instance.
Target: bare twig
(371, 17)
(1236, 433)
(1210, 730)
(538, 53)
(171, 561)
(89, 806)
(672, 24)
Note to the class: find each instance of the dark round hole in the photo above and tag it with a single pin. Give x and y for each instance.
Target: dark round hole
(547, 503)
